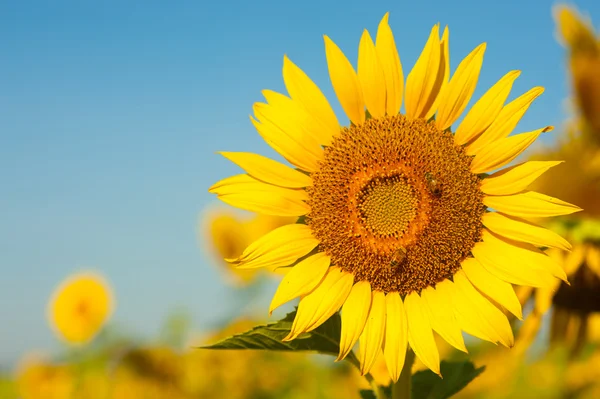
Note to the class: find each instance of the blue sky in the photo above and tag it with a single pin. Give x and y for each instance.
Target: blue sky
(111, 113)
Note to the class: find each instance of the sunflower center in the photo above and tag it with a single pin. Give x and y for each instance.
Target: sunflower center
(394, 202)
(387, 205)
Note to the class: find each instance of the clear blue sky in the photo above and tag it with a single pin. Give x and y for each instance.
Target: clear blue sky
(111, 113)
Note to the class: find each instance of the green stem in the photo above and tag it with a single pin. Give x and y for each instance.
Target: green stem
(401, 389)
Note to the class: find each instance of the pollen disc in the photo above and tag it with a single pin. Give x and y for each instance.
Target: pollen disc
(391, 186)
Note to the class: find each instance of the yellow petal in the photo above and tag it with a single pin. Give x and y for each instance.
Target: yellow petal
(345, 82)
(478, 316)
(245, 192)
(490, 285)
(521, 230)
(268, 170)
(575, 259)
(444, 73)
(371, 77)
(391, 65)
(425, 77)
(500, 152)
(372, 336)
(485, 110)
(593, 259)
(572, 29)
(506, 121)
(396, 335)
(290, 116)
(301, 280)
(420, 335)
(322, 302)
(530, 205)
(515, 178)
(543, 297)
(302, 89)
(515, 262)
(266, 203)
(279, 247)
(442, 318)
(456, 95)
(354, 316)
(299, 153)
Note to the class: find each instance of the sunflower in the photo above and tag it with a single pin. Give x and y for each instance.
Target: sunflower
(575, 306)
(80, 307)
(578, 36)
(395, 227)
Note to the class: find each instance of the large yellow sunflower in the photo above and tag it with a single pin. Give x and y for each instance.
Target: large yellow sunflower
(397, 230)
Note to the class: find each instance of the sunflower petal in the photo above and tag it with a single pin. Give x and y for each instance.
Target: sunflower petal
(515, 262)
(279, 247)
(506, 121)
(456, 95)
(575, 259)
(593, 259)
(354, 316)
(303, 90)
(512, 273)
(245, 192)
(521, 230)
(299, 152)
(396, 335)
(485, 111)
(372, 336)
(391, 65)
(500, 152)
(420, 334)
(268, 170)
(292, 117)
(301, 280)
(495, 288)
(424, 77)
(515, 178)
(345, 82)
(322, 302)
(478, 316)
(443, 74)
(371, 76)
(443, 320)
(530, 204)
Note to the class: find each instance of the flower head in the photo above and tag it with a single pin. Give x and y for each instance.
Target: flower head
(80, 307)
(396, 227)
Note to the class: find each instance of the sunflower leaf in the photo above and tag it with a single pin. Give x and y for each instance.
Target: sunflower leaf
(457, 375)
(324, 339)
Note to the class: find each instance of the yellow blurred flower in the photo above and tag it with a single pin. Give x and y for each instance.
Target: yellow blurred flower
(577, 179)
(577, 34)
(227, 233)
(37, 378)
(80, 307)
(573, 304)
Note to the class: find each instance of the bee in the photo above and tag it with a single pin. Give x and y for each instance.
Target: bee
(398, 256)
(433, 184)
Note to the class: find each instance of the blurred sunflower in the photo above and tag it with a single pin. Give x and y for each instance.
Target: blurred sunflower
(578, 36)
(574, 305)
(38, 378)
(396, 229)
(80, 307)
(228, 234)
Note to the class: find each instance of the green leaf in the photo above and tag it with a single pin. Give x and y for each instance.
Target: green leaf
(457, 375)
(324, 339)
